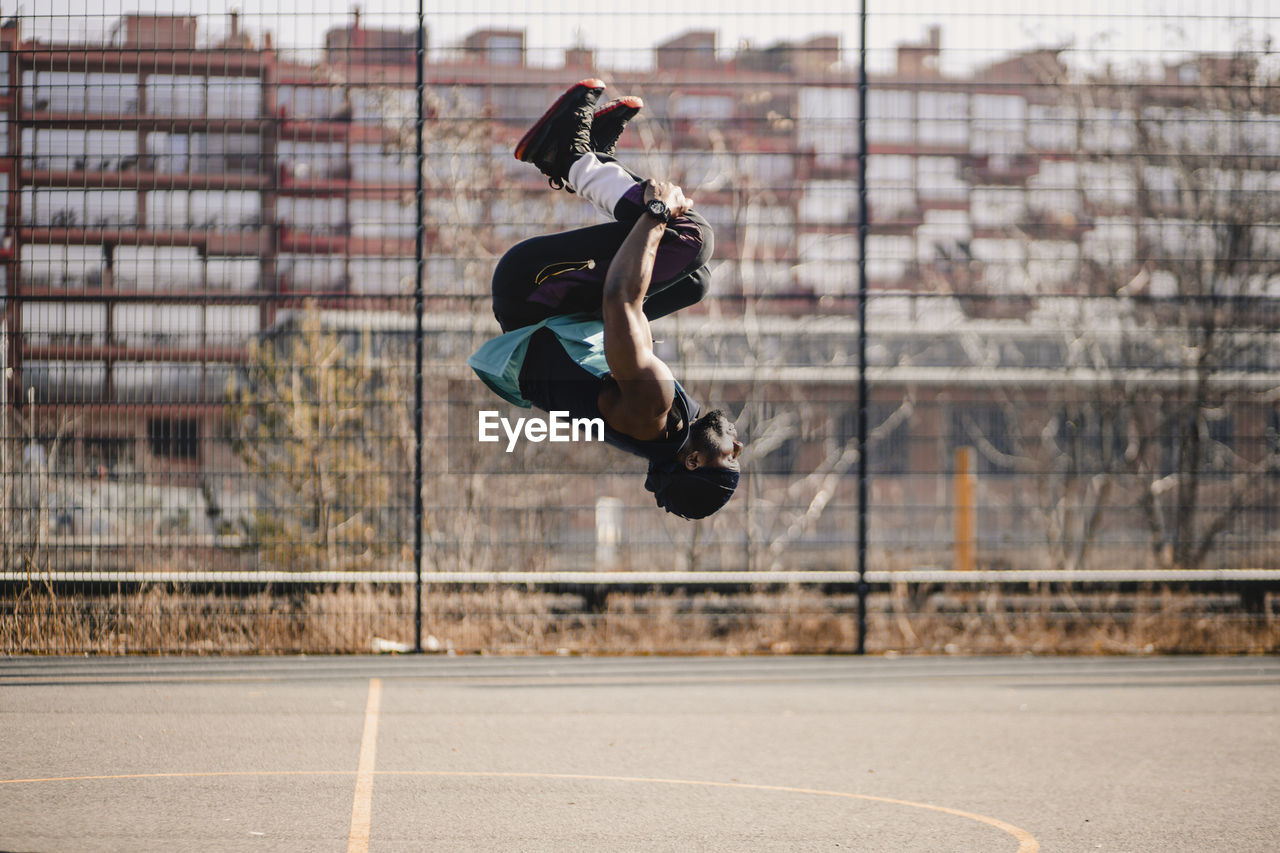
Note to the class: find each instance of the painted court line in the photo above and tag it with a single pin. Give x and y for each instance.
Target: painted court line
(362, 805)
(1027, 843)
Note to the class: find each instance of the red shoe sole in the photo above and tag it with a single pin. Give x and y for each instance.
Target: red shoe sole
(630, 101)
(540, 125)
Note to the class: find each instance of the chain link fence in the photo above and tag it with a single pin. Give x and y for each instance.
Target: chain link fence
(220, 226)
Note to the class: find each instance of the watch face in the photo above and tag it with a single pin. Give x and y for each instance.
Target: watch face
(659, 209)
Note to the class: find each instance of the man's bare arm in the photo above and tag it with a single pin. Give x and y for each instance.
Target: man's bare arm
(627, 339)
(645, 386)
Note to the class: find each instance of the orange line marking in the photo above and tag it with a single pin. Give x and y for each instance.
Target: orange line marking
(1027, 843)
(362, 805)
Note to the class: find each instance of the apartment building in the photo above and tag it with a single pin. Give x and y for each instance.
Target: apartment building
(165, 199)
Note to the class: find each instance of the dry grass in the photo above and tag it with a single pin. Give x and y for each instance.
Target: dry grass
(1161, 622)
(511, 621)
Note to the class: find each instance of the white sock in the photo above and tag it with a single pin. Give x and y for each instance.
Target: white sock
(602, 184)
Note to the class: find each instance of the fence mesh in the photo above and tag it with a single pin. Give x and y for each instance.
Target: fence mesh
(211, 222)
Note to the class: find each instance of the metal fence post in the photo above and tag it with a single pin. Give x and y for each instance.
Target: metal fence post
(420, 59)
(862, 327)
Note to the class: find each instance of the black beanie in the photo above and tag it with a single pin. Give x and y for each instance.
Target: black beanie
(690, 494)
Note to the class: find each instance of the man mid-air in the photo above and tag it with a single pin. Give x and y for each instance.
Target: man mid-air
(575, 308)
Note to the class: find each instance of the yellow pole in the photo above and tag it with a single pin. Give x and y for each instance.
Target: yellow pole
(965, 512)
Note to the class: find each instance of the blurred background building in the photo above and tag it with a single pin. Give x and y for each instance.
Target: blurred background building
(167, 201)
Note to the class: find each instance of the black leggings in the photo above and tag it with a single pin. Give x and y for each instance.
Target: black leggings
(564, 273)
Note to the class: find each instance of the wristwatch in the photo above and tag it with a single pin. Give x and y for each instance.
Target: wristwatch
(658, 209)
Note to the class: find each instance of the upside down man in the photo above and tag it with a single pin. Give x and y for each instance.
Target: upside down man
(575, 308)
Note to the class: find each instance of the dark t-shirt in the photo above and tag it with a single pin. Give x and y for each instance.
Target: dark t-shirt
(554, 382)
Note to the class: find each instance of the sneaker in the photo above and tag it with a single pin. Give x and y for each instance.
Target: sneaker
(609, 121)
(562, 134)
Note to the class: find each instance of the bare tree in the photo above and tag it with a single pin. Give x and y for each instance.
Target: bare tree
(1172, 323)
(27, 490)
(801, 449)
(312, 422)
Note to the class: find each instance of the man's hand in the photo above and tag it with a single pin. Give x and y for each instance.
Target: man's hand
(669, 194)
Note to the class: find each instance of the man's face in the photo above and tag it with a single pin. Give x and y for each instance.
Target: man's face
(713, 441)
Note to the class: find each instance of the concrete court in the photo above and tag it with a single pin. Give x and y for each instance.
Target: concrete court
(601, 754)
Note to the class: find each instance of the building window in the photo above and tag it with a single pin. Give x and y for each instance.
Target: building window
(827, 264)
(63, 381)
(112, 94)
(110, 209)
(888, 439)
(703, 107)
(1051, 128)
(157, 267)
(233, 273)
(506, 50)
(234, 97)
(312, 273)
(390, 276)
(823, 122)
(829, 203)
(984, 427)
(312, 215)
(309, 102)
(373, 218)
(784, 456)
(310, 161)
(56, 150)
(54, 92)
(1215, 432)
(214, 154)
(888, 257)
(371, 165)
(143, 324)
(174, 438)
(102, 455)
(175, 95)
(939, 178)
(168, 153)
(64, 323)
(229, 325)
(1087, 439)
(63, 266)
(56, 209)
(944, 118)
(890, 116)
(999, 124)
(161, 382)
(203, 210)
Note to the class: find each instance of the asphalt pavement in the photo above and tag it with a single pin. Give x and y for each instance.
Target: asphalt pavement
(640, 754)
